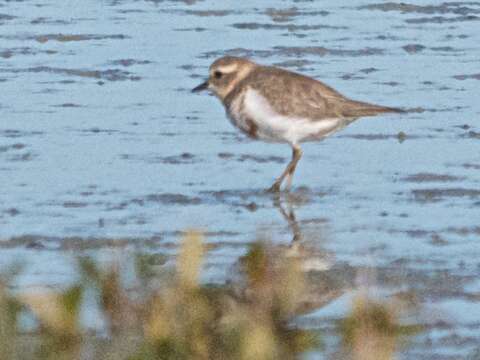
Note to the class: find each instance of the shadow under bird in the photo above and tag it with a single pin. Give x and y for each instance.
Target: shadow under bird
(276, 105)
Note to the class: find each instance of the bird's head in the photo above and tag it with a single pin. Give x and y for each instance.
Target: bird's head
(225, 74)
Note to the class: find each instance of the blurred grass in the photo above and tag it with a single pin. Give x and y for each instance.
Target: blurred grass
(372, 331)
(178, 317)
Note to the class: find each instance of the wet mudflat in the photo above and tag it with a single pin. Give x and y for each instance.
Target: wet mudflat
(104, 149)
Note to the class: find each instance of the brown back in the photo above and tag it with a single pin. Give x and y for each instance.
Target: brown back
(297, 95)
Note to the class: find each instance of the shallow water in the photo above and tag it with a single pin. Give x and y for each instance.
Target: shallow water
(100, 138)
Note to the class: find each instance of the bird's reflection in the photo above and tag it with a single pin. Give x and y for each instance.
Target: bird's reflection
(307, 248)
(326, 279)
(289, 216)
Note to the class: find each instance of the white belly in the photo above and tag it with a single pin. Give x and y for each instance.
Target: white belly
(274, 127)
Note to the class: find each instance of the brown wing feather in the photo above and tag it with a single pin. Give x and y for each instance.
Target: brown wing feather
(352, 108)
(296, 95)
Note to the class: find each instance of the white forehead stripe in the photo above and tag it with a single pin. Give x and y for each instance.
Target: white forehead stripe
(227, 68)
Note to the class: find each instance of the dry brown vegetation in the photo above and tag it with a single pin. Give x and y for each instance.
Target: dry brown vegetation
(178, 317)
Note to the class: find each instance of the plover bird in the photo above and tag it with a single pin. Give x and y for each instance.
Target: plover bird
(276, 105)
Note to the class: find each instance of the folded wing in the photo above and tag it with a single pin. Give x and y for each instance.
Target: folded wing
(303, 97)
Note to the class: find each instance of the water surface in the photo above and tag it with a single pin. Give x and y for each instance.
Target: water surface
(102, 145)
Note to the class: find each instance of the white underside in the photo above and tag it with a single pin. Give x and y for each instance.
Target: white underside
(274, 127)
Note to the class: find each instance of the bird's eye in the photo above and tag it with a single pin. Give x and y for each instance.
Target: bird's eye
(217, 74)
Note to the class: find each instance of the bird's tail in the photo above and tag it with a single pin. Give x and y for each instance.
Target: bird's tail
(358, 108)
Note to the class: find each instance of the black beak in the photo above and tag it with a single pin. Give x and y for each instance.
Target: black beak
(201, 87)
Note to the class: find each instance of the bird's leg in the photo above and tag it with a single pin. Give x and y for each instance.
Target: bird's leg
(297, 154)
(289, 170)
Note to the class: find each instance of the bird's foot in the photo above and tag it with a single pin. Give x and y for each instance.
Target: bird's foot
(274, 189)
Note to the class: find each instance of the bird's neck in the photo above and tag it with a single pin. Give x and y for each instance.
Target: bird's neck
(241, 75)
